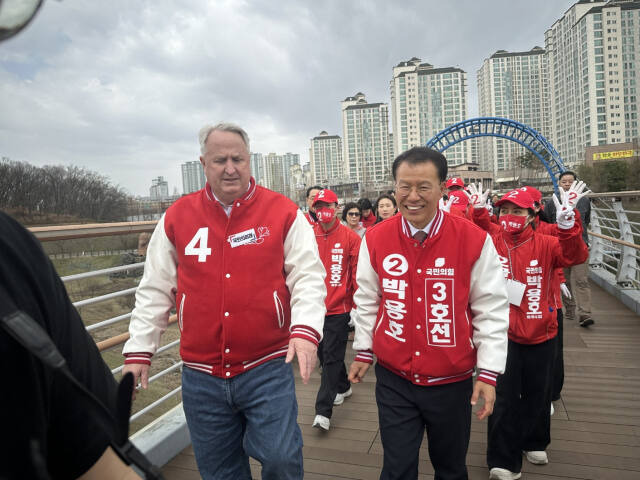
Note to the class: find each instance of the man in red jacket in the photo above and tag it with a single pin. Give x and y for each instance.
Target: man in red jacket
(432, 306)
(240, 264)
(338, 246)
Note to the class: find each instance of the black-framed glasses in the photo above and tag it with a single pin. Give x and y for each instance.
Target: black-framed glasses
(354, 214)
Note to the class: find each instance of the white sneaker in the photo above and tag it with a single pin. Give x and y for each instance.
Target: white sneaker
(537, 457)
(503, 474)
(339, 400)
(553, 410)
(321, 422)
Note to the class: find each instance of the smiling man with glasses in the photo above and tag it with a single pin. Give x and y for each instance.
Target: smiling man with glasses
(432, 306)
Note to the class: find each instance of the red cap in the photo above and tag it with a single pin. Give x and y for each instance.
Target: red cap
(455, 182)
(520, 197)
(325, 195)
(459, 199)
(534, 192)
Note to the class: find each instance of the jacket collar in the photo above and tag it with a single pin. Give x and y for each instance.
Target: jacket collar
(436, 225)
(321, 232)
(517, 239)
(248, 195)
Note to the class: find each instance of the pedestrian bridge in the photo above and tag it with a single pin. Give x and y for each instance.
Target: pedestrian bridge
(595, 429)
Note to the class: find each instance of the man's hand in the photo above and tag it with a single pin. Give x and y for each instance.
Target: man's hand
(576, 192)
(140, 373)
(476, 197)
(357, 371)
(306, 352)
(488, 392)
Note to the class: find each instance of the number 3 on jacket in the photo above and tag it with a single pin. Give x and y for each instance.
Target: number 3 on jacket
(200, 238)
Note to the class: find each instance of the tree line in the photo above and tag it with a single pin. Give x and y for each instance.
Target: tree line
(615, 176)
(61, 190)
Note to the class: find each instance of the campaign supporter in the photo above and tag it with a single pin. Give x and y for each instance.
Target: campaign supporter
(521, 418)
(311, 214)
(454, 184)
(368, 216)
(427, 345)
(351, 218)
(338, 247)
(386, 207)
(240, 264)
(578, 275)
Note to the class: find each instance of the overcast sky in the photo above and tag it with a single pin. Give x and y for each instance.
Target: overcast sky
(122, 87)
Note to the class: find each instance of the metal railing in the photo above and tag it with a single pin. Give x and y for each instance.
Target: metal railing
(614, 236)
(72, 232)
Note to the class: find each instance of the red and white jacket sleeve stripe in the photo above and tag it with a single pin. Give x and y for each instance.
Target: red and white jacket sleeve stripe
(367, 300)
(305, 280)
(490, 312)
(154, 299)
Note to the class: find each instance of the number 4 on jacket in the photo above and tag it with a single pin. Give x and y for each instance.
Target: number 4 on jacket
(201, 237)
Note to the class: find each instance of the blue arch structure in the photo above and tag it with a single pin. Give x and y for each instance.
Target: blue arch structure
(502, 128)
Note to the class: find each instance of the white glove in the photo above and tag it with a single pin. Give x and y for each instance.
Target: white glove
(565, 290)
(575, 193)
(565, 216)
(445, 206)
(352, 315)
(476, 197)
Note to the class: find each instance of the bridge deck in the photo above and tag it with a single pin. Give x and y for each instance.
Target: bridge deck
(595, 430)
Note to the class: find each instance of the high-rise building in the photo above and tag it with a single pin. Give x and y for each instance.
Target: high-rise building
(512, 85)
(366, 141)
(193, 178)
(257, 168)
(593, 74)
(159, 189)
(273, 171)
(325, 157)
(424, 101)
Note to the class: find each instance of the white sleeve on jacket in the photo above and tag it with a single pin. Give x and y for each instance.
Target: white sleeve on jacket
(155, 294)
(305, 276)
(367, 300)
(490, 309)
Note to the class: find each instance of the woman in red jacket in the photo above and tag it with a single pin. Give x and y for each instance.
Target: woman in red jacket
(520, 420)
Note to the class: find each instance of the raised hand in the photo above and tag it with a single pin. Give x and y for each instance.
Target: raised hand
(445, 205)
(476, 197)
(565, 216)
(576, 192)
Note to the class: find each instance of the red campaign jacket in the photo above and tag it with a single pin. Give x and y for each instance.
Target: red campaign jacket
(431, 312)
(369, 221)
(242, 284)
(338, 248)
(532, 258)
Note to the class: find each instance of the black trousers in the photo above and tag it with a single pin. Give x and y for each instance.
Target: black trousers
(558, 365)
(521, 416)
(331, 354)
(405, 410)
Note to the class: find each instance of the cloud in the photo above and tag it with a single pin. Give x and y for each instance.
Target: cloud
(123, 87)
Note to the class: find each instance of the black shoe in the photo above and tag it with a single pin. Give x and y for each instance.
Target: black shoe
(586, 321)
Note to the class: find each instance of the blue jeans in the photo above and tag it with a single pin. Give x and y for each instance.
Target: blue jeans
(253, 414)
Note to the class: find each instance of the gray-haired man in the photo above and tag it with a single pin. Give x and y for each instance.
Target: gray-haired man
(241, 266)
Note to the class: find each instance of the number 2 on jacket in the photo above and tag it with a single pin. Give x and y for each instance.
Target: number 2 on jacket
(202, 251)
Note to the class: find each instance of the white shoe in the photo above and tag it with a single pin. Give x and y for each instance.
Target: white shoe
(339, 400)
(503, 474)
(537, 457)
(553, 410)
(322, 422)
